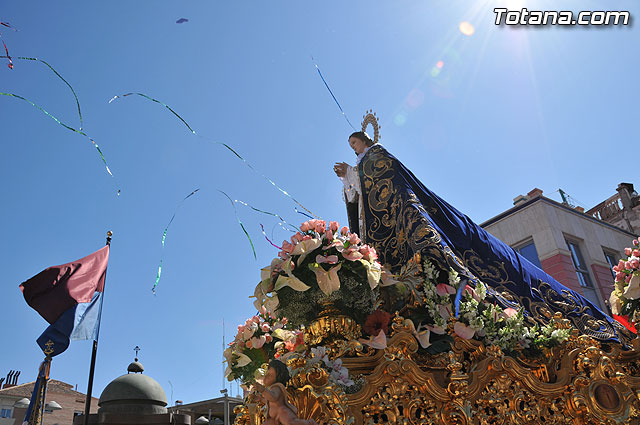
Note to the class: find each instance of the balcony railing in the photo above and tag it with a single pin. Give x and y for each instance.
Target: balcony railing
(607, 209)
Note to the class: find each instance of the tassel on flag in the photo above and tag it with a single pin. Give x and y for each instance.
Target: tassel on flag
(35, 411)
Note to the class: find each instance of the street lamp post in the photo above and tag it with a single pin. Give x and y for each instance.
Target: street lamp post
(226, 406)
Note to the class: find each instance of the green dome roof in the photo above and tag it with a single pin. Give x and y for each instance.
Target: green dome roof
(133, 393)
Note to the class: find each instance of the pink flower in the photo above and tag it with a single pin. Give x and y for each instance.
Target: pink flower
(312, 223)
(368, 253)
(635, 264)
(351, 254)
(627, 279)
(306, 237)
(268, 337)
(331, 259)
(636, 242)
(248, 344)
(510, 312)
(258, 342)
(354, 239)
(627, 252)
(636, 252)
(304, 227)
(321, 226)
(436, 329)
(329, 235)
(616, 269)
(287, 247)
(463, 331)
(621, 264)
(443, 289)
(444, 311)
(297, 238)
(334, 226)
(620, 277)
(265, 327)
(344, 231)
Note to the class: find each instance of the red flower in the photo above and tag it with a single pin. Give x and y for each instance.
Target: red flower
(378, 320)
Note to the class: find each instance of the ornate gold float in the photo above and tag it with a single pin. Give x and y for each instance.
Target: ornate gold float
(582, 381)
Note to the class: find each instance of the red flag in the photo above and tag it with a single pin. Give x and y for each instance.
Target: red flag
(59, 288)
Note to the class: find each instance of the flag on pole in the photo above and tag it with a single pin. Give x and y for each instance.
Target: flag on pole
(69, 297)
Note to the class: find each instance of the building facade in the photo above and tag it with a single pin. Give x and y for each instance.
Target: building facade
(575, 248)
(62, 402)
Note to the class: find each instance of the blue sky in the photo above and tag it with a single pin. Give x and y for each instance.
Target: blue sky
(510, 110)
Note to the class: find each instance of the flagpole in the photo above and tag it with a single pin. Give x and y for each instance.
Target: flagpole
(87, 404)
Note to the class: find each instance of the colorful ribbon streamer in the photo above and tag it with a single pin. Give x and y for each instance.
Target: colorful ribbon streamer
(164, 237)
(67, 127)
(218, 143)
(332, 95)
(240, 223)
(10, 64)
(269, 240)
(156, 101)
(59, 76)
(300, 212)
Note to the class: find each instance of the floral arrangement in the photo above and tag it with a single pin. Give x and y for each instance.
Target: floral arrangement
(338, 374)
(477, 317)
(261, 338)
(625, 298)
(320, 264)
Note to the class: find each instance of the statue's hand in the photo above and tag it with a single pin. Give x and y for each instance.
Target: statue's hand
(340, 168)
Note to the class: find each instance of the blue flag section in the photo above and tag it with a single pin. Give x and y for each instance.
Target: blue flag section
(69, 297)
(77, 323)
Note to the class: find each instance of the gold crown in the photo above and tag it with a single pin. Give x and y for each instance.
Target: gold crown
(371, 118)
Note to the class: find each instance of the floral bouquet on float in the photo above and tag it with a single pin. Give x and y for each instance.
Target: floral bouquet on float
(625, 298)
(429, 293)
(320, 266)
(260, 339)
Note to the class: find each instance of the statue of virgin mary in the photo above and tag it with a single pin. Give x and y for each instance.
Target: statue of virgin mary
(394, 212)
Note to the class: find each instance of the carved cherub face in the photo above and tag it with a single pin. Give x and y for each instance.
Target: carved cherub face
(270, 377)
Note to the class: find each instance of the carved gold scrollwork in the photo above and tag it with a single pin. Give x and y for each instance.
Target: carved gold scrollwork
(580, 382)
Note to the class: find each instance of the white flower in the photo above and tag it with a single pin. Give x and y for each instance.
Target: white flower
(633, 290)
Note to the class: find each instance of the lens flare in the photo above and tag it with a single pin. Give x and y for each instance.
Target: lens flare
(439, 64)
(435, 71)
(415, 98)
(400, 119)
(466, 28)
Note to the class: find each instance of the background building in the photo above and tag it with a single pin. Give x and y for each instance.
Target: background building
(62, 402)
(578, 249)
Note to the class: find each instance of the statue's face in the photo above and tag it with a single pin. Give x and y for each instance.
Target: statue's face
(269, 377)
(357, 145)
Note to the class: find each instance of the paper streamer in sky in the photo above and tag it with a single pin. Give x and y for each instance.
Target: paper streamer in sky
(10, 64)
(57, 74)
(218, 143)
(240, 223)
(164, 236)
(332, 95)
(67, 127)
